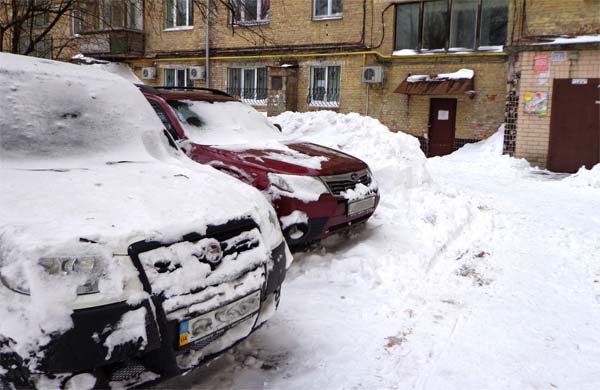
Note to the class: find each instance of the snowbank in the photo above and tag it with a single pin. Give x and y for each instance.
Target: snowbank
(486, 156)
(395, 158)
(585, 177)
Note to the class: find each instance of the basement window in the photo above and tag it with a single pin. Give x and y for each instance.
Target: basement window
(179, 14)
(250, 84)
(451, 26)
(325, 86)
(327, 9)
(178, 77)
(250, 12)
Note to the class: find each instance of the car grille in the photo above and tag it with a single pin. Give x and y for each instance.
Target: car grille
(338, 184)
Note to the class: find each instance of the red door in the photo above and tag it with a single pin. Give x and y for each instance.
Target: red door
(574, 125)
(442, 127)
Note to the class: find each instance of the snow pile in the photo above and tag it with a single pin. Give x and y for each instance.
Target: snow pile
(131, 328)
(118, 68)
(486, 156)
(462, 74)
(570, 40)
(395, 158)
(585, 177)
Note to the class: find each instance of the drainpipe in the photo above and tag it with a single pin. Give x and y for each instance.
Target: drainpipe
(207, 49)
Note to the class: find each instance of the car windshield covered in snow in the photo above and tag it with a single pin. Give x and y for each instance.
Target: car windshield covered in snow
(223, 123)
(37, 123)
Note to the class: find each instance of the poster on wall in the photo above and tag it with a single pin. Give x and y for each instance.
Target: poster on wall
(536, 103)
(540, 63)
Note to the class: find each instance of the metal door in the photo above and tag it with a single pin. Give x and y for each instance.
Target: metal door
(574, 125)
(442, 127)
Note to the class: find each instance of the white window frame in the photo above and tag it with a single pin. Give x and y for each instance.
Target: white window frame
(329, 14)
(176, 79)
(242, 22)
(326, 102)
(253, 100)
(187, 25)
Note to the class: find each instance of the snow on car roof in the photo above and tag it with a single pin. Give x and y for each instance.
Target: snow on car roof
(55, 110)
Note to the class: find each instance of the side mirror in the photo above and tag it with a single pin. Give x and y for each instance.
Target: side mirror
(278, 126)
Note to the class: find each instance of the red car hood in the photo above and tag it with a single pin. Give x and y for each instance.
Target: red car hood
(279, 161)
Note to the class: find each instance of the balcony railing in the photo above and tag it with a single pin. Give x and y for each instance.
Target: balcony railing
(113, 44)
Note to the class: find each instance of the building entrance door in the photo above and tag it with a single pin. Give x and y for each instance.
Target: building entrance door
(574, 125)
(442, 127)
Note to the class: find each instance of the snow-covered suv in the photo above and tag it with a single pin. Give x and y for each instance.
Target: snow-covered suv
(118, 255)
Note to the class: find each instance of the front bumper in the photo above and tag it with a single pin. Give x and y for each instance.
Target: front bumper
(82, 348)
(326, 216)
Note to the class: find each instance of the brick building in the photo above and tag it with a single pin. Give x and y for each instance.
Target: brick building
(310, 55)
(554, 102)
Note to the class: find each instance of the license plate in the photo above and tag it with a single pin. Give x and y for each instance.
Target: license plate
(197, 328)
(360, 206)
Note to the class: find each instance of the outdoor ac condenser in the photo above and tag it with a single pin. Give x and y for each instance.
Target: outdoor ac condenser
(197, 72)
(149, 73)
(372, 74)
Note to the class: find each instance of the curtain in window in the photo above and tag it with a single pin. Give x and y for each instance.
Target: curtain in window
(463, 23)
(333, 83)
(181, 13)
(234, 81)
(435, 24)
(321, 7)
(407, 26)
(318, 84)
(170, 77)
(169, 6)
(494, 21)
(265, 9)
(336, 6)
(261, 83)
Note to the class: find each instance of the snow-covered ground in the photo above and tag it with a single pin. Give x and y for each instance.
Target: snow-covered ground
(477, 272)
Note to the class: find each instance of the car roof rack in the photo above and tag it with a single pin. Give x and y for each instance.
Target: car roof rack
(212, 90)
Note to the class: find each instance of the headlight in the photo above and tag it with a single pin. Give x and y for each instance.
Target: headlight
(87, 269)
(307, 188)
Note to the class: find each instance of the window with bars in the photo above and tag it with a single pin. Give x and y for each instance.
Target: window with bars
(178, 77)
(325, 86)
(244, 12)
(250, 84)
(455, 25)
(179, 13)
(328, 9)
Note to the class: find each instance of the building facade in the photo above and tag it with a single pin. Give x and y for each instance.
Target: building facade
(284, 55)
(554, 99)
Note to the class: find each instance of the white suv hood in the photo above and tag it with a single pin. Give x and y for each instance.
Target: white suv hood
(117, 204)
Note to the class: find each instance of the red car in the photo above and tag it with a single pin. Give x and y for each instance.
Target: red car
(316, 191)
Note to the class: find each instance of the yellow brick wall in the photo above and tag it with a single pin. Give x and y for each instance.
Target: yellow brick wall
(562, 17)
(533, 131)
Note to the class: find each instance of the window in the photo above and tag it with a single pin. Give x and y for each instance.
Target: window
(325, 86)
(327, 9)
(41, 49)
(179, 13)
(250, 84)
(92, 16)
(451, 25)
(494, 22)
(178, 77)
(250, 11)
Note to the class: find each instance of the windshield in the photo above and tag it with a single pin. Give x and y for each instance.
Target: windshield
(53, 110)
(223, 123)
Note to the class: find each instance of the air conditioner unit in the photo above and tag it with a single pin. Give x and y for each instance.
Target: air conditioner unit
(372, 74)
(149, 73)
(197, 72)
